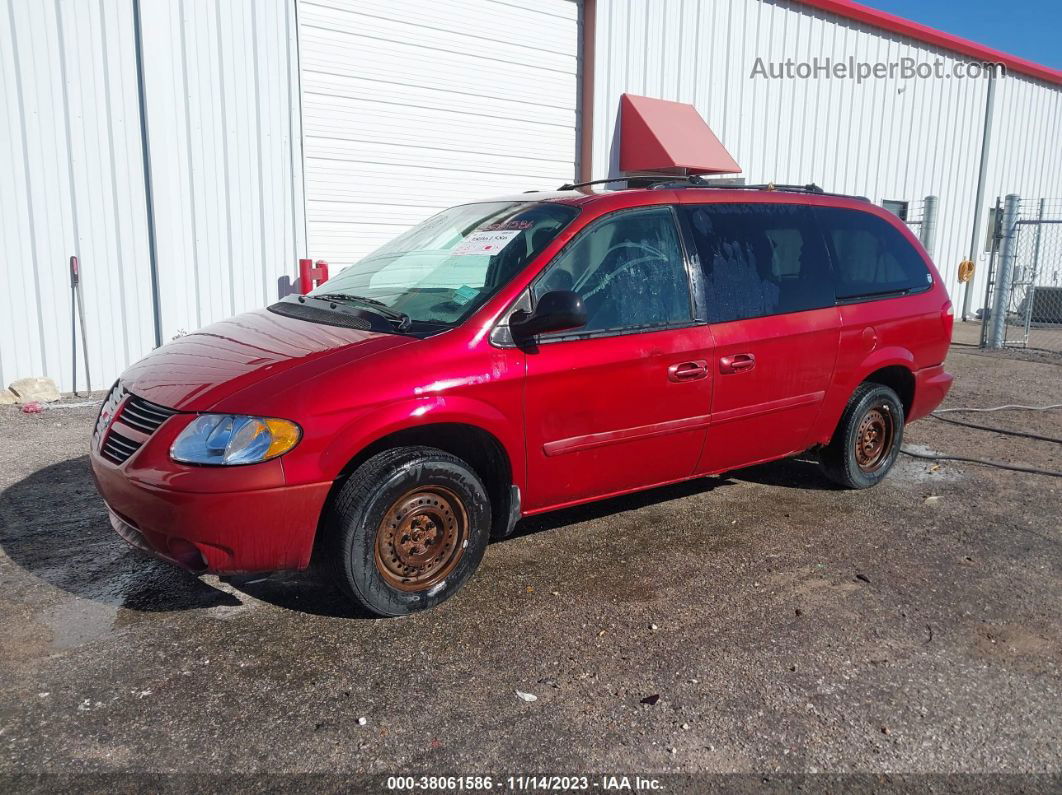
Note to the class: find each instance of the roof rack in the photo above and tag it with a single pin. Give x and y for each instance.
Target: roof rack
(648, 179)
(697, 181)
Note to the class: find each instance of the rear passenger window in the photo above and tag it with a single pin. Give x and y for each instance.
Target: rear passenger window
(759, 259)
(870, 256)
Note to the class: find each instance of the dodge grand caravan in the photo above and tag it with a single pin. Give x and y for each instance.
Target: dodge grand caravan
(519, 355)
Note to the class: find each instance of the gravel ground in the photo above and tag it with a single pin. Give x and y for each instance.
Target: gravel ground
(758, 622)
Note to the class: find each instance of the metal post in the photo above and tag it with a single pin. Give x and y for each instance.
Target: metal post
(149, 194)
(990, 277)
(1007, 254)
(979, 199)
(928, 231)
(78, 308)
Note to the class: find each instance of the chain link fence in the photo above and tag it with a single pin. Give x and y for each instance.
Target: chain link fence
(1023, 301)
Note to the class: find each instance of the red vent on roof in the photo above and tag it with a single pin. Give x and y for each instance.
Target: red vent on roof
(658, 135)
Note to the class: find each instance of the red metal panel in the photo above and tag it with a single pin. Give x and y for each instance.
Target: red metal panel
(658, 135)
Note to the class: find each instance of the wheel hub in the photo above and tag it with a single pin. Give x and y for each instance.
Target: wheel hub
(421, 538)
(873, 439)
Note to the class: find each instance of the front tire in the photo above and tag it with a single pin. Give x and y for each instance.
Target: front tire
(407, 529)
(867, 440)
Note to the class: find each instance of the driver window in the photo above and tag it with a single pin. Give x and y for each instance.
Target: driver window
(629, 271)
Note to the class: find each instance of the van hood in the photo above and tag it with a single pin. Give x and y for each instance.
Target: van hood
(196, 371)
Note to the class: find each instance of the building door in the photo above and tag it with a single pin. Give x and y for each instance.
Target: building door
(412, 107)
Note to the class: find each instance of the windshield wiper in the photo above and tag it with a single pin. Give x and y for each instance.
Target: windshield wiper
(401, 319)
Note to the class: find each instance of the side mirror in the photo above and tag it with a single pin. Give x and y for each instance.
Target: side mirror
(557, 310)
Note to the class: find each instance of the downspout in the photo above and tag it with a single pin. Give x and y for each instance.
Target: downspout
(586, 90)
(979, 204)
(149, 197)
(302, 136)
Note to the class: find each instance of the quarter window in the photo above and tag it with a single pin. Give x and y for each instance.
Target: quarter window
(759, 259)
(628, 268)
(870, 256)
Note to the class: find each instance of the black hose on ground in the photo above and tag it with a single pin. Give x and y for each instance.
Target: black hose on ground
(984, 461)
(1007, 431)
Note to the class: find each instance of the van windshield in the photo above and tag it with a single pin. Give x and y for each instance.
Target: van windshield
(446, 267)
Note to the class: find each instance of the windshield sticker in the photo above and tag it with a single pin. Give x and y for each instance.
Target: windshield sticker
(485, 243)
(464, 294)
(520, 223)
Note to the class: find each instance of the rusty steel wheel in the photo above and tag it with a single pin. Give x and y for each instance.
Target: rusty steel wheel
(406, 530)
(874, 437)
(421, 538)
(868, 438)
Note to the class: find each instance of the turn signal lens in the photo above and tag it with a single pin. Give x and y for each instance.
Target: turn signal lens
(233, 439)
(285, 436)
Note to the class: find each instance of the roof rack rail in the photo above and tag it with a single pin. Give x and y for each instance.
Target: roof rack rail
(696, 181)
(648, 179)
(680, 182)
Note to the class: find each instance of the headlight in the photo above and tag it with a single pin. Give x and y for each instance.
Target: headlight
(230, 439)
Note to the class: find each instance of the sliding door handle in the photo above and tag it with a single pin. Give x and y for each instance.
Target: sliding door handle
(738, 363)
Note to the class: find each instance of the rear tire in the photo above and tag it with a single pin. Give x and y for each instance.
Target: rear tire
(407, 529)
(867, 440)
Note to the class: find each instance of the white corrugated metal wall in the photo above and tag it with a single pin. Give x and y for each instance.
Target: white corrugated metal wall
(74, 184)
(221, 84)
(224, 117)
(221, 81)
(886, 139)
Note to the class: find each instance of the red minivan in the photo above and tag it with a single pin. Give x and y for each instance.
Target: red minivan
(520, 355)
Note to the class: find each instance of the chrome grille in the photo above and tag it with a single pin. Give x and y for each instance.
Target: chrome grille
(117, 448)
(107, 411)
(144, 415)
(132, 411)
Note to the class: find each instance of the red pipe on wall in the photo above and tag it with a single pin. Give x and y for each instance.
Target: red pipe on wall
(311, 276)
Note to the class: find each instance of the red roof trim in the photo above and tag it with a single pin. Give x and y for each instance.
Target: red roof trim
(905, 27)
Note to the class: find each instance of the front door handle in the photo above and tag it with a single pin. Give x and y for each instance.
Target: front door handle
(688, 371)
(738, 363)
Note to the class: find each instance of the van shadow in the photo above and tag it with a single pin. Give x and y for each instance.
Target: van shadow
(614, 505)
(802, 472)
(53, 525)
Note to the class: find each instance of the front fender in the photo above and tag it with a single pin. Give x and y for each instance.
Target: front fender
(370, 426)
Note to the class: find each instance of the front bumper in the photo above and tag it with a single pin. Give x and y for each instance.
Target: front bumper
(223, 532)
